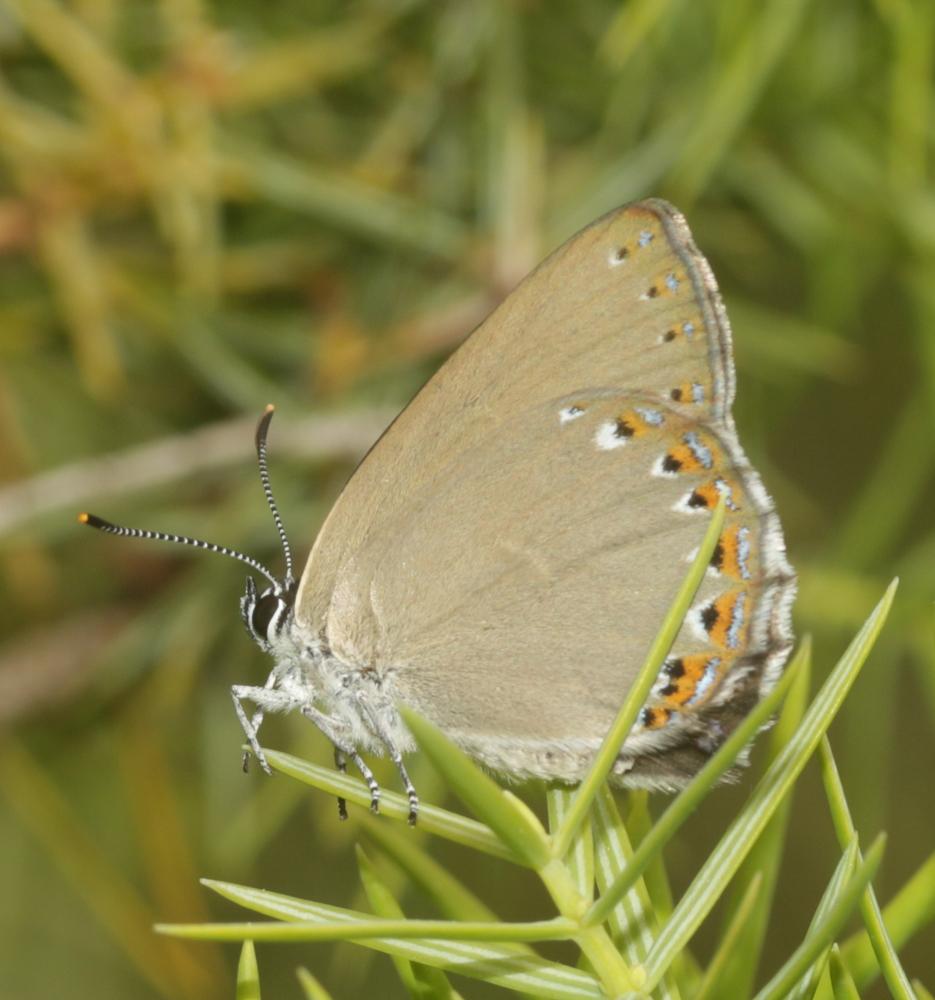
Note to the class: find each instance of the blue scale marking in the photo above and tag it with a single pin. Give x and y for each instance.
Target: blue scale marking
(726, 492)
(737, 618)
(743, 552)
(652, 417)
(699, 449)
(706, 679)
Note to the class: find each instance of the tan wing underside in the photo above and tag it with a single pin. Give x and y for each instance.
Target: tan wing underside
(598, 311)
(518, 597)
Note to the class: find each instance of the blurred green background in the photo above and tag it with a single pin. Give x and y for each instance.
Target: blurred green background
(205, 207)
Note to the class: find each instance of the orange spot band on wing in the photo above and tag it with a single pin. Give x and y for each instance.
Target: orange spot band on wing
(689, 392)
(695, 454)
(655, 717)
(637, 421)
(690, 678)
(681, 459)
(706, 496)
(725, 619)
(732, 553)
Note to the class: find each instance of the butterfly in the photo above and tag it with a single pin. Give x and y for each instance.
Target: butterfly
(502, 558)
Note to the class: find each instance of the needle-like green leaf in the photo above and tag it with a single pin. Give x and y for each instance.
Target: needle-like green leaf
(312, 989)
(825, 929)
(423, 982)
(477, 959)
(893, 973)
(503, 813)
(451, 826)
(248, 973)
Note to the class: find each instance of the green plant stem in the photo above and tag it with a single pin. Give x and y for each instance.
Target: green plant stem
(441, 822)
(911, 909)
(825, 929)
(712, 976)
(557, 929)
(893, 973)
(608, 964)
(248, 974)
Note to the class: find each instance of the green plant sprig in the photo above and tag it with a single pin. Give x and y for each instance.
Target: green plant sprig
(629, 949)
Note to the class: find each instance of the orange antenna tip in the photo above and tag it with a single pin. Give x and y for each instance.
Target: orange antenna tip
(84, 517)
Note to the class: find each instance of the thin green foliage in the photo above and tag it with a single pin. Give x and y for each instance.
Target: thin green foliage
(763, 863)
(248, 973)
(312, 989)
(910, 910)
(842, 982)
(493, 962)
(453, 899)
(893, 973)
(630, 919)
(508, 818)
(808, 984)
(711, 983)
(580, 856)
(418, 980)
(626, 944)
(557, 929)
(441, 822)
(634, 920)
(838, 903)
(640, 824)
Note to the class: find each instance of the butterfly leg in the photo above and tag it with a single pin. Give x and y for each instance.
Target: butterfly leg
(367, 775)
(332, 729)
(340, 762)
(257, 720)
(397, 759)
(266, 699)
(376, 723)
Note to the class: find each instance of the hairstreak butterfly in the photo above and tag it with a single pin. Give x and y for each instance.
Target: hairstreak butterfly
(501, 559)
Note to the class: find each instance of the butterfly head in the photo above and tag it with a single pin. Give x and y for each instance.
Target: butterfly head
(267, 614)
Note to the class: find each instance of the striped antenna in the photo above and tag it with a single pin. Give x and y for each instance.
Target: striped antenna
(93, 521)
(261, 431)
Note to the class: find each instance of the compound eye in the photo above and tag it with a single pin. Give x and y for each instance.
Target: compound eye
(263, 611)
